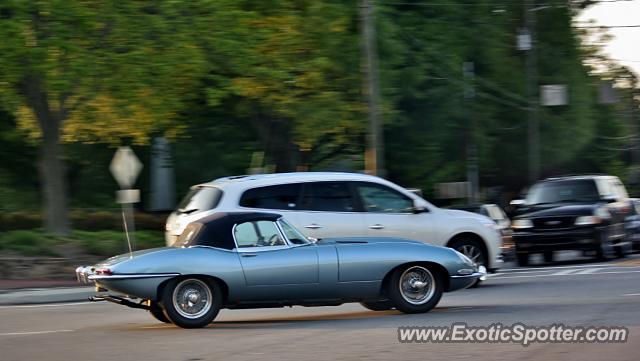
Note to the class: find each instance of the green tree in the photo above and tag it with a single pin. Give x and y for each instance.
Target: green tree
(92, 71)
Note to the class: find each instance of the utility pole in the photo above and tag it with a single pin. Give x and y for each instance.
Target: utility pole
(374, 155)
(468, 73)
(532, 90)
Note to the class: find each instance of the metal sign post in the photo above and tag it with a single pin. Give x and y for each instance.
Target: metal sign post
(125, 168)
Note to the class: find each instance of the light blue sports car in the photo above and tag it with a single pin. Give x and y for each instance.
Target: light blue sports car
(254, 260)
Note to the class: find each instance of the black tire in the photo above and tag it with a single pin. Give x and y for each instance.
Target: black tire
(377, 305)
(181, 296)
(406, 297)
(548, 256)
(604, 251)
(522, 258)
(622, 250)
(158, 312)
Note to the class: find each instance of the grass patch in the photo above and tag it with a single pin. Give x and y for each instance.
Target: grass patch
(99, 243)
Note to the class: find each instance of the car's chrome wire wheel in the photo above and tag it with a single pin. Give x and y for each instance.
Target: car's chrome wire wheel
(417, 285)
(472, 252)
(192, 298)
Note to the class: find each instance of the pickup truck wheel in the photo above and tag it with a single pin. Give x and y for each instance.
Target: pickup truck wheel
(157, 312)
(415, 288)
(191, 302)
(522, 258)
(377, 305)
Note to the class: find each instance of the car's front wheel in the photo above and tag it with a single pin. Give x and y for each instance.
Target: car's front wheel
(192, 302)
(415, 288)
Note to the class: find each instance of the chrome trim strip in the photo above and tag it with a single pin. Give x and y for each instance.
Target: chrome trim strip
(475, 274)
(126, 276)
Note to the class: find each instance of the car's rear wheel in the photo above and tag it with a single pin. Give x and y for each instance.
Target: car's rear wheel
(415, 288)
(192, 302)
(377, 305)
(158, 312)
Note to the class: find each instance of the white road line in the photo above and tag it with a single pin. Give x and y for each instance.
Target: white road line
(555, 274)
(50, 305)
(587, 271)
(565, 272)
(554, 267)
(632, 294)
(33, 333)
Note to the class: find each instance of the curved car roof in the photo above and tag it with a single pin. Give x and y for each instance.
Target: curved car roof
(216, 230)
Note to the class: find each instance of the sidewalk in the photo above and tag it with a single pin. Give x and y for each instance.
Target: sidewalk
(29, 292)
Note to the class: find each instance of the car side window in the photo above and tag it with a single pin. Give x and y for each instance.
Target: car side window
(380, 199)
(257, 234)
(283, 196)
(328, 196)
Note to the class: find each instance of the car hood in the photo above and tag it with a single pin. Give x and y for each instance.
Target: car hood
(465, 214)
(555, 210)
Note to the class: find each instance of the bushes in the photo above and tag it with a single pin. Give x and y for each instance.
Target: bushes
(84, 220)
(98, 243)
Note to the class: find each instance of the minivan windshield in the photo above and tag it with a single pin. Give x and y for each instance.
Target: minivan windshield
(200, 199)
(583, 190)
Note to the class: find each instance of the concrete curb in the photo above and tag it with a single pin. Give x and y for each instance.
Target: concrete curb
(33, 296)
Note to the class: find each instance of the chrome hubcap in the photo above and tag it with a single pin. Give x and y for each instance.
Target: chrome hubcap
(417, 285)
(192, 298)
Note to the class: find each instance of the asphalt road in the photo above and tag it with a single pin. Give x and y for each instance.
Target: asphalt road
(572, 293)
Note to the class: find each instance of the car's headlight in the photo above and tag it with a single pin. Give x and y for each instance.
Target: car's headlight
(521, 224)
(587, 220)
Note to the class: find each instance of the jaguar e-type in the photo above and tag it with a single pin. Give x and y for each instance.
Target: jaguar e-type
(254, 260)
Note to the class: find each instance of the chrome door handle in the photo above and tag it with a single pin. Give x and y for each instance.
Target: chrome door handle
(248, 254)
(313, 226)
(376, 226)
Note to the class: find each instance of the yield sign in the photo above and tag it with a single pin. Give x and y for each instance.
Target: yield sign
(125, 167)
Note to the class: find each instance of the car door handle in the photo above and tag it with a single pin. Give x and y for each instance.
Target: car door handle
(313, 226)
(377, 226)
(248, 254)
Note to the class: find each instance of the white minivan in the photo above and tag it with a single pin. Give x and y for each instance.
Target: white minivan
(325, 205)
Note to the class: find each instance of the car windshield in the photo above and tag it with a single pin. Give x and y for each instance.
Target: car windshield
(200, 199)
(292, 233)
(563, 191)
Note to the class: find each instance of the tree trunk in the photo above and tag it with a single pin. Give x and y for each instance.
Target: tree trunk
(276, 139)
(53, 186)
(52, 177)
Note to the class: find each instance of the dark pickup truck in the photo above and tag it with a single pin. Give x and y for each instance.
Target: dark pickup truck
(572, 213)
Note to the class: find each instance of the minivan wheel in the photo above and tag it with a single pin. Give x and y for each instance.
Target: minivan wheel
(191, 302)
(473, 249)
(415, 288)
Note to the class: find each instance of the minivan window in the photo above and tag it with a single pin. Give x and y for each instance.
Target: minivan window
(380, 199)
(327, 196)
(200, 199)
(283, 196)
